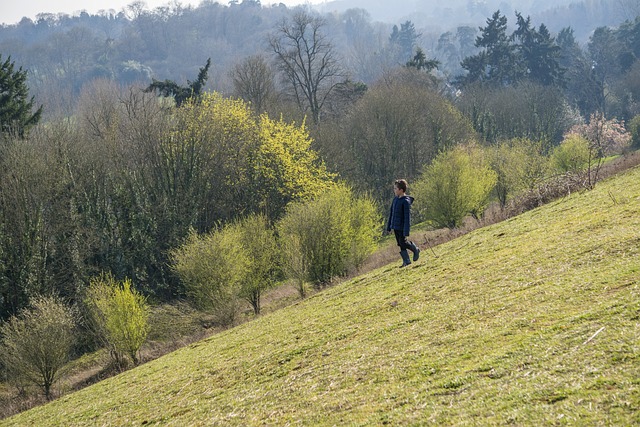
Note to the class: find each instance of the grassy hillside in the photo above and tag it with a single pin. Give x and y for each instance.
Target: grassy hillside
(533, 321)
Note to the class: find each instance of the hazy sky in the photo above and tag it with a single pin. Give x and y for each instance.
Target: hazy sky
(12, 11)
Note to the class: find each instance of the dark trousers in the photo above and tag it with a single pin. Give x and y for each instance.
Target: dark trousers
(402, 240)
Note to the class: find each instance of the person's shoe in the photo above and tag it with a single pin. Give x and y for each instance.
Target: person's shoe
(416, 251)
(405, 258)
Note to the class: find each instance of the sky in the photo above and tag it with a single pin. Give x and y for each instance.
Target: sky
(12, 11)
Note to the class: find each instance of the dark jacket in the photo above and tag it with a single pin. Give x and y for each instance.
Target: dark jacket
(400, 215)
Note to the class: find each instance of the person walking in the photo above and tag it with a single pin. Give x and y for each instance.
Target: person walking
(400, 221)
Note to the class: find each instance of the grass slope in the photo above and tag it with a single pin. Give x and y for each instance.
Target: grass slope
(533, 321)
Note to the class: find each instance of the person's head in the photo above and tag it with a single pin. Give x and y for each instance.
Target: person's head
(400, 187)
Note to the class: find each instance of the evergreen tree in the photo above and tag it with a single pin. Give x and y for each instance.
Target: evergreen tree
(16, 116)
(193, 90)
(406, 38)
(420, 62)
(580, 85)
(496, 62)
(537, 54)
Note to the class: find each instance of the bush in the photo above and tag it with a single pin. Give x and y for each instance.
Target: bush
(519, 165)
(634, 128)
(456, 184)
(212, 268)
(330, 235)
(119, 315)
(572, 155)
(261, 249)
(36, 344)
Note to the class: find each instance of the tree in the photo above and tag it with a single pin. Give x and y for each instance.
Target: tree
(405, 38)
(180, 94)
(526, 110)
(604, 50)
(16, 110)
(120, 316)
(37, 342)
(634, 129)
(606, 137)
(538, 53)
(456, 184)
(259, 242)
(420, 62)
(580, 87)
(286, 168)
(518, 164)
(306, 60)
(394, 130)
(495, 63)
(253, 81)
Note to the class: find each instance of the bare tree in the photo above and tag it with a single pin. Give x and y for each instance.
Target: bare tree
(253, 82)
(36, 345)
(306, 60)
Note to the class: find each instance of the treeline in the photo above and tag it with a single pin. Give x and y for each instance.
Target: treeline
(64, 53)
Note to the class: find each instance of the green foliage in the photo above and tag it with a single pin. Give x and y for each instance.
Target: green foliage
(36, 343)
(212, 268)
(420, 62)
(329, 235)
(394, 130)
(606, 137)
(519, 164)
(16, 116)
(526, 110)
(182, 94)
(457, 183)
(405, 39)
(572, 155)
(120, 315)
(634, 129)
(526, 55)
(260, 246)
(287, 168)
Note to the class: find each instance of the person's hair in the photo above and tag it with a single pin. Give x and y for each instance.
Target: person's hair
(401, 184)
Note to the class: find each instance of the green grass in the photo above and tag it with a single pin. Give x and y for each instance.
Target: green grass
(532, 321)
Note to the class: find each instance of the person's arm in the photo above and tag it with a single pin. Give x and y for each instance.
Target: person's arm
(406, 208)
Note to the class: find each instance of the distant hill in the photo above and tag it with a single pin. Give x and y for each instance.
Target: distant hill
(533, 321)
(450, 13)
(439, 17)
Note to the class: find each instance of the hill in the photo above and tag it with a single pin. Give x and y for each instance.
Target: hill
(532, 321)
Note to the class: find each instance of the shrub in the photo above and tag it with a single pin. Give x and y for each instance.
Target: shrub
(212, 268)
(634, 128)
(572, 155)
(329, 235)
(261, 249)
(119, 315)
(457, 183)
(606, 138)
(36, 344)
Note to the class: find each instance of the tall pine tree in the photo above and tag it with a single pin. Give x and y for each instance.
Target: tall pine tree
(495, 63)
(16, 109)
(538, 54)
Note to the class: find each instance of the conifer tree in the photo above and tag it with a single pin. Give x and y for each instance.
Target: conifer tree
(193, 90)
(16, 116)
(495, 63)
